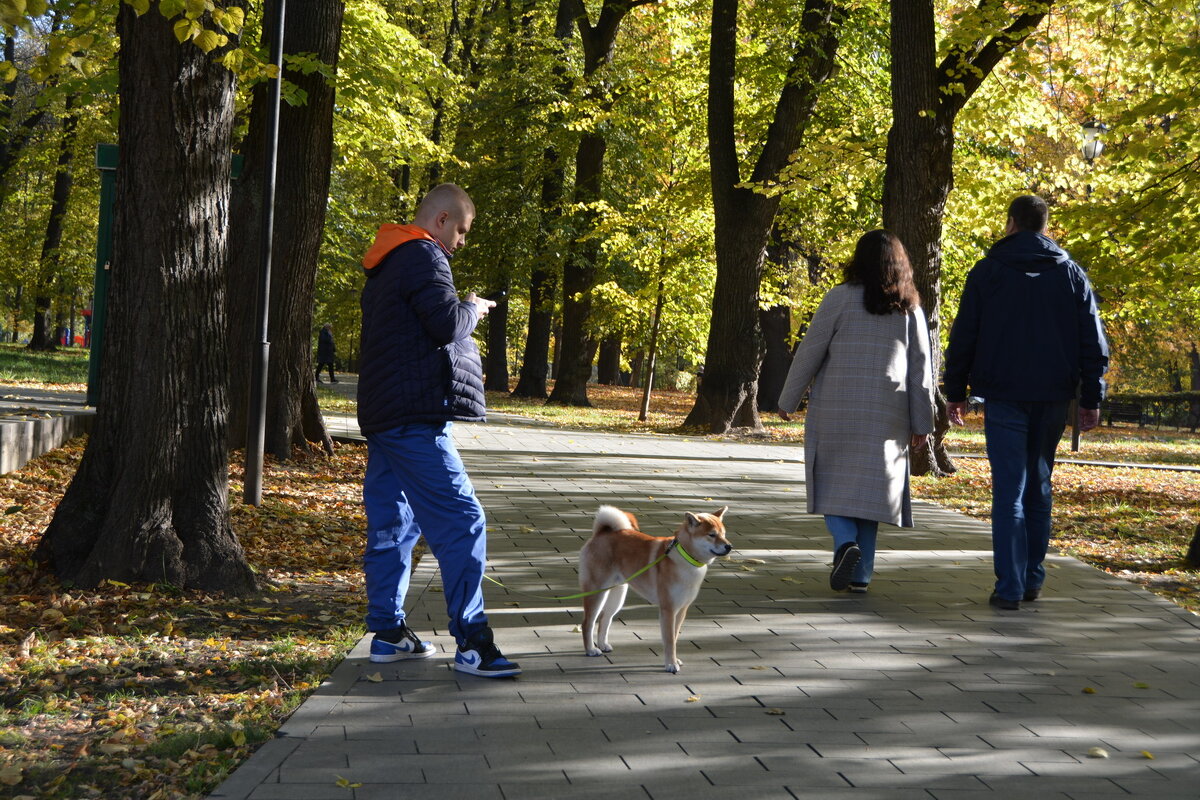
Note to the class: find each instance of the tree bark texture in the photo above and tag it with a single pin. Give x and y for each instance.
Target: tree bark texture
(728, 394)
(43, 331)
(302, 188)
(149, 501)
(926, 99)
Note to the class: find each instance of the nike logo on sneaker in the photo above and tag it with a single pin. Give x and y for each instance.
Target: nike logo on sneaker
(471, 659)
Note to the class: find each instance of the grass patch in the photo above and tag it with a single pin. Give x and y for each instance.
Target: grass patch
(66, 368)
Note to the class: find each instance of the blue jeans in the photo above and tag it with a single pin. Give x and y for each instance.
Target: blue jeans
(416, 484)
(1021, 441)
(853, 529)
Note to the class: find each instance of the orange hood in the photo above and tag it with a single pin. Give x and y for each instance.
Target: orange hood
(391, 236)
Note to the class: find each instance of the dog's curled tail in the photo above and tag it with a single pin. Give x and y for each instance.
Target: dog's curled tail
(611, 518)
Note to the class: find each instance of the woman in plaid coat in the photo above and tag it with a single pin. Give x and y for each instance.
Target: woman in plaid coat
(866, 356)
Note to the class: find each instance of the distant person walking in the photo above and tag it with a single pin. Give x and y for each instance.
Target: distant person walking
(1027, 337)
(866, 355)
(326, 351)
(420, 371)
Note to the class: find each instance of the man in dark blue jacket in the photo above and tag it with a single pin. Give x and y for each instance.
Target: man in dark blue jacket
(420, 371)
(1027, 337)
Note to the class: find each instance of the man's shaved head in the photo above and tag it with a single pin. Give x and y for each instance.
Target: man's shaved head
(445, 197)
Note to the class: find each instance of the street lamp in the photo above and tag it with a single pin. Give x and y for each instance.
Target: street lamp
(1092, 146)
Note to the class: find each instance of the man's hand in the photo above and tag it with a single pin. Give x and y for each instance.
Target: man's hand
(955, 412)
(1088, 419)
(918, 441)
(482, 304)
(783, 415)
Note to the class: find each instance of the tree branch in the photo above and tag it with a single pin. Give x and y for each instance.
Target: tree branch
(965, 68)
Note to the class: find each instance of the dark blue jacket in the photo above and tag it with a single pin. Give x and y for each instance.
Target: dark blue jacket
(326, 348)
(1027, 328)
(419, 363)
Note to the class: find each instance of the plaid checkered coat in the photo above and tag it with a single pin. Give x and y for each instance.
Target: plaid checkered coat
(872, 388)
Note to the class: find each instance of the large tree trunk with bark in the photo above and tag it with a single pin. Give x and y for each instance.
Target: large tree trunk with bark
(729, 391)
(149, 501)
(918, 179)
(302, 189)
(926, 99)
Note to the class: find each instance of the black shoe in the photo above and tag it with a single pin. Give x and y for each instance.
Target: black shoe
(1032, 594)
(399, 644)
(858, 588)
(996, 601)
(480, 656)
(844, 562)
(334, 380)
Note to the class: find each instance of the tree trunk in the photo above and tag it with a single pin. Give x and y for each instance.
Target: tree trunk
(496, 365)
(776, 325)
(302, 188)
(926, 99)
(1194, 406)
(149, 501)
(579, 270)
(728, 394)
(43, 331)
(535, 367)
(608, 365)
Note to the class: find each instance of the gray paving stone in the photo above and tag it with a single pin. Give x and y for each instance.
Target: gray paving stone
(918, 689)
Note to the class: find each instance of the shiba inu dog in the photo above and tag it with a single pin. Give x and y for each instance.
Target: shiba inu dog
(665, 570)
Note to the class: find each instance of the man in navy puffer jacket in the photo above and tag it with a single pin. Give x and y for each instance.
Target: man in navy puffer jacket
(420, 371)
(1026, 338)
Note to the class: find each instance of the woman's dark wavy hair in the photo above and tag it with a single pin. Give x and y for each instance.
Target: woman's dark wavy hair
(880, 265)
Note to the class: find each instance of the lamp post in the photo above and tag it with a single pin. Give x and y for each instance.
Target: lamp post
(1091, 147)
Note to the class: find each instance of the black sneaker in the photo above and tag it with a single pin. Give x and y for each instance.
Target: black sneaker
(858, 588)
(844, 562)
(399, 644)
(1032, 594)
(480, 656)
(996, 601)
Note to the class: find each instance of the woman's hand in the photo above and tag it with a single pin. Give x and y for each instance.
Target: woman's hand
(783, 415)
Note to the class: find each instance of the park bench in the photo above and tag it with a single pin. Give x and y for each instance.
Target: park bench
(1125, 412)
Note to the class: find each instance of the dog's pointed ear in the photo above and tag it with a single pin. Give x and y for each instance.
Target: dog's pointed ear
(720, 512)
(691, 519)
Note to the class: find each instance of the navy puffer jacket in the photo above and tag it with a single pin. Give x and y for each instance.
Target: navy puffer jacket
(1027, 328)
(419, 363)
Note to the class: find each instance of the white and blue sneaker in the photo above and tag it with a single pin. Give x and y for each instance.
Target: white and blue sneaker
(399, 644)
(480, 656)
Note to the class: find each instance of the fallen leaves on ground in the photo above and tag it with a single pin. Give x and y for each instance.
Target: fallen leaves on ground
(152, 692)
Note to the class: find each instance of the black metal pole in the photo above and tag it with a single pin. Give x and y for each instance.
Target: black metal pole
(256, 430)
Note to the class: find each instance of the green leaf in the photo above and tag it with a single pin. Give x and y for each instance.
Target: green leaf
(184, 29)
(210, 40)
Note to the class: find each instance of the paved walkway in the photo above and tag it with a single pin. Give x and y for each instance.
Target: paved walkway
(917, 690)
